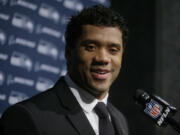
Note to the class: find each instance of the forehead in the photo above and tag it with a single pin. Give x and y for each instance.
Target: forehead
(102, 33)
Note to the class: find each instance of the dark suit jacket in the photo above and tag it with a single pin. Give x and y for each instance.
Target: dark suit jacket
(53, 112)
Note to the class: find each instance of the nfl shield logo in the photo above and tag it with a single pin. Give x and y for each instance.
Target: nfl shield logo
(153, 109)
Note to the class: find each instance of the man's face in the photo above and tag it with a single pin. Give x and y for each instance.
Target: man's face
(95, 62)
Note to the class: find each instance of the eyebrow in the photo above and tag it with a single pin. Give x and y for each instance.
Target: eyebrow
(116, 45)
(89, 41)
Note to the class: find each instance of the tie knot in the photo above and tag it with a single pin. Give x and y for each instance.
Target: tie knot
(101, 110)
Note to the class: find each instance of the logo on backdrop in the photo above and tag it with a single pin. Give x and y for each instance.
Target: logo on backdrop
(40, 29)
(13, 40)
(4, 16)
(49, 12)
(48, 49)
(2, 77)
(23, 22)
(3, 37)
(4, 56)
(21, 60)
(23, 3)
(43, 84)
(75, 5)
(16, 97)
(19, 80)
(47, 68)
(2, 97)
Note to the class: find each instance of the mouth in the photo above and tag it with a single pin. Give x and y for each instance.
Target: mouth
(100, 74)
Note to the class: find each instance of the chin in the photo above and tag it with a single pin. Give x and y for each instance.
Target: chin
(101, 86)
(101, 89)
(98, 87)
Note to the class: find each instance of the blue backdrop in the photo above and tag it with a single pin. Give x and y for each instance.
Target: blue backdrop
(32, 45)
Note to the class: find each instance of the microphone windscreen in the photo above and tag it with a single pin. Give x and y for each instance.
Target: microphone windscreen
(138, 94)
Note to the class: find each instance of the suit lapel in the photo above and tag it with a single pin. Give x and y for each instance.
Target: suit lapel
(74, 113)
(115, 120)
(81, 123)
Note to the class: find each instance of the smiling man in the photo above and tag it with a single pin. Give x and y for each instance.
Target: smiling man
(96, 59)
(78, 103)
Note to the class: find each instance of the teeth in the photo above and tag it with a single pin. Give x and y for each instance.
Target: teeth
(101, 72)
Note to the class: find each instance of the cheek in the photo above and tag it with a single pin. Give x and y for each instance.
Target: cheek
(118, 60)
(84, 63)
(117, 65)
(84, 57)
(83, 71)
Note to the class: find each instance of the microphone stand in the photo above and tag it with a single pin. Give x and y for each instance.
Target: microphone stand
(174, 124)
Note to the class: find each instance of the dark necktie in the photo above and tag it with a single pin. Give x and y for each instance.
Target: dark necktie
(105, 125)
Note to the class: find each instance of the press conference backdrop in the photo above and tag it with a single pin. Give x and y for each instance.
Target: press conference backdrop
(32, 45)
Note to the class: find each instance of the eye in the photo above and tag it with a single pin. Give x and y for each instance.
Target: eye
(114, 50)
(90, 47)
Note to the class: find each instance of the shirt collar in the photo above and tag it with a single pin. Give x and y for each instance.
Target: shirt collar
(85, 99)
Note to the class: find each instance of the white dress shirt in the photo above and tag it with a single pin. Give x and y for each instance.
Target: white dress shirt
(87, 103)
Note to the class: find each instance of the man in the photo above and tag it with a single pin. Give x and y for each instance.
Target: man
(95, 40)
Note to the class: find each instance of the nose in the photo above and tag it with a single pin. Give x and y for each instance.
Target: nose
(102, 57)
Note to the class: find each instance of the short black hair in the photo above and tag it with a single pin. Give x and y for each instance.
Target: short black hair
(97, 15)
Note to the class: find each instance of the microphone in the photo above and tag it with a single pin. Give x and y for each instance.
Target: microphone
(160, 111)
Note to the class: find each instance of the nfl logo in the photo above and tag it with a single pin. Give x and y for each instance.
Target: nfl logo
(153, 109)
